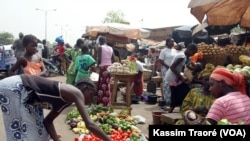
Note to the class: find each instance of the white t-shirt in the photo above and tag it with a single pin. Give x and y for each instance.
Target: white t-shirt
(167, 55)
(139, 66)
(170, 76)
(40, 48)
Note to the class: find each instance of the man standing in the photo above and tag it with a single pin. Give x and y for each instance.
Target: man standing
(18, 46)
(45, 51)
(40, 47)
(19, 49)
(165, 58)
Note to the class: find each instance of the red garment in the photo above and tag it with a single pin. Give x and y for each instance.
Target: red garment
(60, 49)
(231, 78)
(138, 84)
(103, 87)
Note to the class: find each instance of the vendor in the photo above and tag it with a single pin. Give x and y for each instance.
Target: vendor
(137, 80)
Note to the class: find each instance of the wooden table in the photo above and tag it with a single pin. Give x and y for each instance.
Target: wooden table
(126, 78)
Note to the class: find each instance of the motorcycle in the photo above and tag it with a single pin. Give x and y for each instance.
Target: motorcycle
(53, 65)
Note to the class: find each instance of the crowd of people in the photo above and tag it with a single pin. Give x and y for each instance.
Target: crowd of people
(221, 93)
(212, 93)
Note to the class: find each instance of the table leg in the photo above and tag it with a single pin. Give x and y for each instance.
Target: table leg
(114, 91)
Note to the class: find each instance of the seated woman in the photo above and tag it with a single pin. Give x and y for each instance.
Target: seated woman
(198, 99)
(231, 101)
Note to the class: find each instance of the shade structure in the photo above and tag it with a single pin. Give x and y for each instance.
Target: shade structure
(222, 12)
(118, 29)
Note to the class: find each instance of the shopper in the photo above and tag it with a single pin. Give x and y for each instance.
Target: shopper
(175, 79)
(165, 58)
(105, 58)
(70, 56)
(84, 64)
(21, 95)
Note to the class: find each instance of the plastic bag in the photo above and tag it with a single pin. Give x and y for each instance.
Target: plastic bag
(132, 64)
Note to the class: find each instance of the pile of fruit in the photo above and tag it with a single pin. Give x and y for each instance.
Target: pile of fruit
(119, 126)
(226, 122)
(244, 70)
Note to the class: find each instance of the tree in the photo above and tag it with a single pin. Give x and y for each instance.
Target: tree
(115, 17)
(6, 38)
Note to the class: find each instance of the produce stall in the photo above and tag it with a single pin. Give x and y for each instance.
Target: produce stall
(119, 126)
(218, 55)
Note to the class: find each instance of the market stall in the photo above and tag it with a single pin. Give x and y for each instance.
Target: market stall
(120, 126)
(224, 55)
(115, 120)
(120, 36)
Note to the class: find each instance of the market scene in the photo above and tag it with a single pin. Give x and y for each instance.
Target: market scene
(117, 79)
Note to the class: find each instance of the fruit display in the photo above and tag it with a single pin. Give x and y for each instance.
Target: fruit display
(217, 55)
(244, 70)
(245, 60)
(119, 126)
(226, 122)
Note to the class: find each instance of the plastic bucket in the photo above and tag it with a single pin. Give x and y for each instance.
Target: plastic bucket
(157, 117)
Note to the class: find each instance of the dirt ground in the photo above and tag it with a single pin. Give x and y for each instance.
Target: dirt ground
(143, 109)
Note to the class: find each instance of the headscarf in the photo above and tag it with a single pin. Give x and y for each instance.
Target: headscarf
(231, 78)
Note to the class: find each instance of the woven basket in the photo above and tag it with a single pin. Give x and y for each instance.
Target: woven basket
(147, 75)
(215, 59)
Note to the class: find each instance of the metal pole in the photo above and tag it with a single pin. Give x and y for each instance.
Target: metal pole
(46, 25)
(45, 14)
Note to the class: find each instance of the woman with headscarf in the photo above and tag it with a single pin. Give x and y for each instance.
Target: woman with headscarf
(232, 103)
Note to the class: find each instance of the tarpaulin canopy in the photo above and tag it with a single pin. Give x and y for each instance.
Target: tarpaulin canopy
(184, 34)
(222, 12)
(118, 29)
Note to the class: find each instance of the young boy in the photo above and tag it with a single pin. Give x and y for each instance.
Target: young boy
(84, 62)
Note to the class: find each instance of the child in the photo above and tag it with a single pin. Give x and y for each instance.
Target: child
(31, 62)
(83, 63)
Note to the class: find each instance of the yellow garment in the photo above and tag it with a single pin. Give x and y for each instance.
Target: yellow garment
(196, 99)
(207, 71)
(33, 68)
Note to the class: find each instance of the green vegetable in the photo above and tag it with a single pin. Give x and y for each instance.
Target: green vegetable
(72, 114)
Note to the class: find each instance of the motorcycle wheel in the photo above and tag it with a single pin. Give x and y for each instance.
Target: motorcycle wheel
(48, 72)
(62, 72)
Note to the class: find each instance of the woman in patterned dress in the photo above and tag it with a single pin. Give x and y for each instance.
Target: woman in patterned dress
(105, 58)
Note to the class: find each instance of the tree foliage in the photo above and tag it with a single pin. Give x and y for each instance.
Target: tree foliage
(115, 17)
(6, 38)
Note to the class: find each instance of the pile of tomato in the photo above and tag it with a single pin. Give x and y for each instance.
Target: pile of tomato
(116, 135)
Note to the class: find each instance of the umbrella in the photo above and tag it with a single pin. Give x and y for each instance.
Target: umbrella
(222, 12)
(118, 29)
(185, 34)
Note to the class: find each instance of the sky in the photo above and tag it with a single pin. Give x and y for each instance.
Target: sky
(72, 16)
